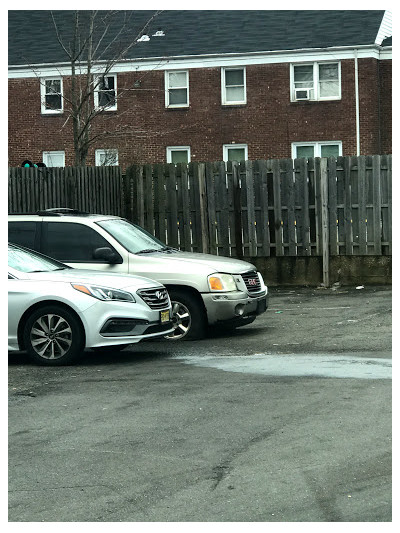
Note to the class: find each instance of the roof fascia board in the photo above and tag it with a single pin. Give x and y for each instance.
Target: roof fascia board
(209, 61)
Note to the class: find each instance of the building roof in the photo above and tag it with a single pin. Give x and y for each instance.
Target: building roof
(33, 39)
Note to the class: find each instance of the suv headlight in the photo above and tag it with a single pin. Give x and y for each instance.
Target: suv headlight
(104, 293)
(221, 283)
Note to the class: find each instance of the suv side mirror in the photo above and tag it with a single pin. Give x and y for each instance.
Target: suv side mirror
(107, 255)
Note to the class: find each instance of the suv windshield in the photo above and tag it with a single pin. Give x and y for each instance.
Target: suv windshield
(134, 238)
(29, 261)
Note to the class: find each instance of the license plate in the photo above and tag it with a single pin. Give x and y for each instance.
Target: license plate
(164, 316)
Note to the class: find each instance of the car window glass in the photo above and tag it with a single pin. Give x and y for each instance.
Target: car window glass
(134, 238)
(27, 261)
(69, 241)
(23, 233)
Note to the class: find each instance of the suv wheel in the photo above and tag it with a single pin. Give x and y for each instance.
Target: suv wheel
(187, 316)
(53, 336)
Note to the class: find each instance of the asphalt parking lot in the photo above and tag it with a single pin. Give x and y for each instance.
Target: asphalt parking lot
(285, 420)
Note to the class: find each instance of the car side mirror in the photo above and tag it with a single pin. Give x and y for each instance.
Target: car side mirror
(107, 255)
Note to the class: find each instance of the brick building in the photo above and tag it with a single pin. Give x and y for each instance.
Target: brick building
(208, 86)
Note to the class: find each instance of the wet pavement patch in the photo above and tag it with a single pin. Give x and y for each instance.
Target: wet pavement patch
(315, 365)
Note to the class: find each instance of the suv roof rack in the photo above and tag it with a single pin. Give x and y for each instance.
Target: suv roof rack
(58, 211)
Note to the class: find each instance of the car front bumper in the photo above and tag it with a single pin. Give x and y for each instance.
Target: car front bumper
(234, 307)
(112, 323)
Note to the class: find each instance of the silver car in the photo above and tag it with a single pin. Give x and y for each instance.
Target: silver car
(205, 289)
(55, 311)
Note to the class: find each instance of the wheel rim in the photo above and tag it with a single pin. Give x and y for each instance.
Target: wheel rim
(181, 320)
(51, 336)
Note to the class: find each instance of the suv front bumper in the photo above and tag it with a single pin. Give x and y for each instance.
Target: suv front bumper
(234, 306)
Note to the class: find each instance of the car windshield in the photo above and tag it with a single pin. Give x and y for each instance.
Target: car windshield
(25, 260)
(134, 238)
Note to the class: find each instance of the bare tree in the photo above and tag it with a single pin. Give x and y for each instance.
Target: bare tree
(93, 45)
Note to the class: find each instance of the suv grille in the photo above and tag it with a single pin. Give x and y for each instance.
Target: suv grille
(155, 298)
(252, 281)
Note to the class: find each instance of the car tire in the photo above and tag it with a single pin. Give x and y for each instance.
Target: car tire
(53, 336)
(188, 316)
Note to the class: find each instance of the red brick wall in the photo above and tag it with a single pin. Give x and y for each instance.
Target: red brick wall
(142, 128)
(385, 69)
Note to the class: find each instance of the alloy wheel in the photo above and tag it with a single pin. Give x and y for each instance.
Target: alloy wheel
(51, 336)
(181, 319)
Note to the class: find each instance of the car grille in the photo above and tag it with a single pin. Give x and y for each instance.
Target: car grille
(155, 298)
(252, 281)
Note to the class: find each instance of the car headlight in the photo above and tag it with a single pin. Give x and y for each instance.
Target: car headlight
(104, 293)
(221, 282)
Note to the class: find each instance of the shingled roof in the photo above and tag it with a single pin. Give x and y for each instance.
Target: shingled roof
(33, 40)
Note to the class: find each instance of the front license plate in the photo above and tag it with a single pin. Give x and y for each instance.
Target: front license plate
(164, 316)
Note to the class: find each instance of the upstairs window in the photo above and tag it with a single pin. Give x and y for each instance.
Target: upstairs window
(177, 88)
(233, 86)
(105, 95)
(51, 95)
(315, 81)
(106, 158)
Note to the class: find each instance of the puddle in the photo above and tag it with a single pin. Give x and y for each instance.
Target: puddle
(317, 365)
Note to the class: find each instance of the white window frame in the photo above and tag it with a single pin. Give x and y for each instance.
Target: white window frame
(48, 154)
(97, 90)
(171, 149)
(167, 88)
(223, 87)
(103, 151)
(227, 147)
(317, 147)
(315, 82)
(43, 108)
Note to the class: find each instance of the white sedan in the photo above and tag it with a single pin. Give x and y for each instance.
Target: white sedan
(55, 311)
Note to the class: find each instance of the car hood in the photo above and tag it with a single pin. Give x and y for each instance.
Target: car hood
(94, 277)
(180, 261)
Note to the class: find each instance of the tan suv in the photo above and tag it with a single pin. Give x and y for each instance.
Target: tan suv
(204, 289)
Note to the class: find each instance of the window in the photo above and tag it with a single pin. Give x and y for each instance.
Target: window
(178, 154)
(177, 88)
(233, 86)
(51, 95)
(54, 159)
(317, 149)
(24, 234)
(105, 95)
(315, 81)
(235, 152)
(106, 158)
(72, 242)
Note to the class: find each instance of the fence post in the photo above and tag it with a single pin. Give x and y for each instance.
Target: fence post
(237, 208)
(325, 221)
(203, 208)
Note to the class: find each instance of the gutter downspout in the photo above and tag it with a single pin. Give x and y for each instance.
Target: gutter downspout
(357, 101)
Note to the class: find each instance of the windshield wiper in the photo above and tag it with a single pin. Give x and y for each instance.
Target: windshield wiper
(169, 249)
(54, 269)
(163, 249)
(147, 251)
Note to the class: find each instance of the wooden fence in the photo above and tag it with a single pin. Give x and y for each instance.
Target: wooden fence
(285, 207)
(93, 189)
(339, 206)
